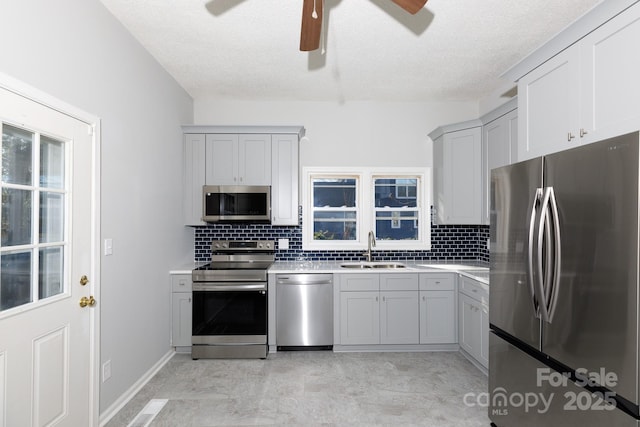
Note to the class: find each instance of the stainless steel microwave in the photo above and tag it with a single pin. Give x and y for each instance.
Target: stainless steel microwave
(236, 203)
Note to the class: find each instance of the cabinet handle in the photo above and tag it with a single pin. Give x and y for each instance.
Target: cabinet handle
(570, 136)
(384, 299)
(583, 132)
(424, 298)
(376, 299)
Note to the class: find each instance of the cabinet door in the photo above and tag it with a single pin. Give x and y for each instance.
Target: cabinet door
(549, 105)
(254, 159)
(194, 178)
(462, 178)
(610, 83)
(359, 318)
(498, 142)
(469, 325)
(181, 319)
(284, 179)
(437, 317)
(222, 159)
(399, 317)
(483, 354)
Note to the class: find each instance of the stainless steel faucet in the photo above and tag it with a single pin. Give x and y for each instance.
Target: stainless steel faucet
(371, 242)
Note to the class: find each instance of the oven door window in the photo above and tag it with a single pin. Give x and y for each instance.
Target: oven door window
(230, 313)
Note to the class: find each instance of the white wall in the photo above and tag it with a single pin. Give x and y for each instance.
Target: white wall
(76, 51)
(349, 134)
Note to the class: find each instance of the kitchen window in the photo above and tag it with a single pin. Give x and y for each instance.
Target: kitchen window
(341, 206)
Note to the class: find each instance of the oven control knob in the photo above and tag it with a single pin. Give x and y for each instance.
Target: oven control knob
(216, 245)
(224, 245)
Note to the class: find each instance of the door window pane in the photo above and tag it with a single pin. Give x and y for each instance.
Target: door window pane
(17, 161)
(15, 279)
(16, 217)
(51, 163)
(51, 217)
(50, 271)
(33, 236)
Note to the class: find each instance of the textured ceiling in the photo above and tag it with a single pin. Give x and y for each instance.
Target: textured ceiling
(249, 49)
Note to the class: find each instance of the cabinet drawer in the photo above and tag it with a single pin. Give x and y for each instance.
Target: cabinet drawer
(437, 282)
(399, 282)
(474, 289)
(359, 282)
(181, 283)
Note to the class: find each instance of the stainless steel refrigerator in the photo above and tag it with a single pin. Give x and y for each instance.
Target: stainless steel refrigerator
(563, 346)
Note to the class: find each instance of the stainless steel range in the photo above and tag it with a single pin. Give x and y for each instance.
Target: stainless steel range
(230, 301)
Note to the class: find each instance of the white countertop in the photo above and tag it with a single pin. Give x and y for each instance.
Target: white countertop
(473, 269)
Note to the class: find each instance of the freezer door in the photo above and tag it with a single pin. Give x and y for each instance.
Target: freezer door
(526, 393)
(595, 325)
(513, 193)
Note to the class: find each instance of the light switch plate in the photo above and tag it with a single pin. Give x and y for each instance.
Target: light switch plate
(108, 247)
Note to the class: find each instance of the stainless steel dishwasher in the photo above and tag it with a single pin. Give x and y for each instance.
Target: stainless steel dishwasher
(304, 311)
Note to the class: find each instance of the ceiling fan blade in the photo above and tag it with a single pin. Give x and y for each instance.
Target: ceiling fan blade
(411, 6)
(311, 25)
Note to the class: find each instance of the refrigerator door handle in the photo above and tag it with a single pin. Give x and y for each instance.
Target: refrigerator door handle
(549, 272)
(530, 267)
(557, 258)
(542, 249)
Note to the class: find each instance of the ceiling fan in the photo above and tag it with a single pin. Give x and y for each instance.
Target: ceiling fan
(312, 11)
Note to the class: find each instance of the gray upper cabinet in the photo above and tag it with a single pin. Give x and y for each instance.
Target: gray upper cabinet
(457, 173)
(582, 86)
(243, 159)
(499, 146)
(242, 155)
(194, 151)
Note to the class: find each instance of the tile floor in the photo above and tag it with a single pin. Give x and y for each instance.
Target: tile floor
(315, 388)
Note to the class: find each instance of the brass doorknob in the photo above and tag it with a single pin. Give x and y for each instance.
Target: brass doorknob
(84, 280)
(84, 301)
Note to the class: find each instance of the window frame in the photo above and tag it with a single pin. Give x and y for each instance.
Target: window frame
(365, 207)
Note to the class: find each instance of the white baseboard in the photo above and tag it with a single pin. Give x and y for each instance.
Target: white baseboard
(111, 411)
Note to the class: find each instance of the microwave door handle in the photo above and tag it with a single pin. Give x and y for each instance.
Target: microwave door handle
(530, 251)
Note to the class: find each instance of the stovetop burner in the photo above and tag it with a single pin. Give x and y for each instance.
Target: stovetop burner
(237, 260)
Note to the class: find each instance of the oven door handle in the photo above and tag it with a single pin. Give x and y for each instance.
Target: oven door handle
(223, 287)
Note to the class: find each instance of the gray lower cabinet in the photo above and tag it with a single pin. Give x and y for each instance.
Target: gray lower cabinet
(474, 321)
(379, 309)
(438, 318)
(397, 308)
(181, 306)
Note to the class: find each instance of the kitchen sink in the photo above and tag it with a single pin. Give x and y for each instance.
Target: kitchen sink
(364, 265)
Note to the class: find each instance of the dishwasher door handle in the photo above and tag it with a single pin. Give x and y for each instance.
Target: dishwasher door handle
(305, 279)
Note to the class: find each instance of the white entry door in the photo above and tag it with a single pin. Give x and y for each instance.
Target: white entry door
(47, 266)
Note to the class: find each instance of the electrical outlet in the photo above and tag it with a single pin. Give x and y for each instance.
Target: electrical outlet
(106, 370)
(283, 244)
